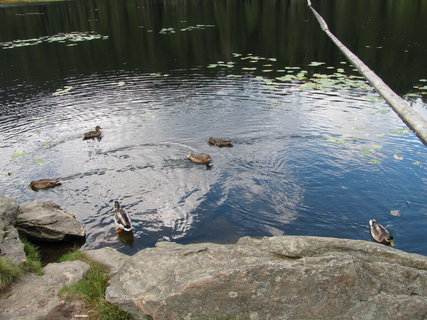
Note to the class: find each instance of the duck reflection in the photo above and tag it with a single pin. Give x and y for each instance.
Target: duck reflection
(126, 237)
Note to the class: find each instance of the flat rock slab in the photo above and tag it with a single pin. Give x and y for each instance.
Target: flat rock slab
(10, 245)
(34, 297)
(46, 221)
(272, 278)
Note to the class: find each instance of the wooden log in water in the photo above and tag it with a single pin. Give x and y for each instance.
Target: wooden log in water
(403, 109)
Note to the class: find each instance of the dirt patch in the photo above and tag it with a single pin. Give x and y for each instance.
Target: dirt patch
(68, 311)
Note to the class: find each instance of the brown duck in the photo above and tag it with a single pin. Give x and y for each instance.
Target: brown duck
(200, 158)
(44, 184)
(380, 234)
(93, 134)
(220, 142)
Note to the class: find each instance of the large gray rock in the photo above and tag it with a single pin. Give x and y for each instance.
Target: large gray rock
(34, 297)
(10, 245)
(46, 221)
(273, 278)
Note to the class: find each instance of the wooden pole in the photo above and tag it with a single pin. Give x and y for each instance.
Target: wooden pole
(403, 109)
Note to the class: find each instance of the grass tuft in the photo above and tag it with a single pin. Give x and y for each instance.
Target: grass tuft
(91, 289)
(33, 263)
(9, 272)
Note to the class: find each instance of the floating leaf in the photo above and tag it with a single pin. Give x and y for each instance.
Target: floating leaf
(121, 83)
(40, 161)
(18, 154)
(417, 163)
(397, 157)
(367, 152)
(380, 134)
(315, 64)
(60, 38)
(288, 77)
(59, 92)
(395, 213)
(167, 31)
(400, 132)
(382, 112)
(375, 161)
(249, 69)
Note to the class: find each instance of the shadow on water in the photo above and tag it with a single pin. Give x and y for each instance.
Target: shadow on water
(315, 150)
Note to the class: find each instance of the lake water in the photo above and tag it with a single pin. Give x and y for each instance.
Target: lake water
(316, 150)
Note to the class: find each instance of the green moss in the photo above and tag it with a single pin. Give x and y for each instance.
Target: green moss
(9, 272)
(91, 289)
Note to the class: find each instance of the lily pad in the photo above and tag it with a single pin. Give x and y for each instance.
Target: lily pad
(18, 154)
(400, 132)
(315, 64)
(40, 161)
(375, 161)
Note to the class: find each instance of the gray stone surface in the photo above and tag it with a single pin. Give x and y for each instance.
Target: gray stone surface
(110, 257)
(46, 221)
(273, 278)
(10, 245)
(34, 297)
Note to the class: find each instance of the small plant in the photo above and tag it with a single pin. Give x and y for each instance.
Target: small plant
(91, 289)
(9, 272)
(33, 263)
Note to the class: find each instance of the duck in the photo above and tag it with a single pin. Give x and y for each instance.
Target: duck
(380, 234)
(93, 134)
(220, 142)
(121, 218)
(200, 158)
(44, 184)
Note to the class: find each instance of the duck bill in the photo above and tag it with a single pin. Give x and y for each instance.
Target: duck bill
(392, 243)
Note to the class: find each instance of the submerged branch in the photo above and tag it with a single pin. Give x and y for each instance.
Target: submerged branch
(399, 105)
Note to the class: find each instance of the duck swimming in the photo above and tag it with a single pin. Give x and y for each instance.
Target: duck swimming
(121, 218)
(380, 234)
(44, 184)
(220, 142)
(200, 158)
(93, 134)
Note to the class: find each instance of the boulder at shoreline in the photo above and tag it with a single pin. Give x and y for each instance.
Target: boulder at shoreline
(46, 221)
(277, 278)
(10, 245)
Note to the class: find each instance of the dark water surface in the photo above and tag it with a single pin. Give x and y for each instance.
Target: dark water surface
(316, 150)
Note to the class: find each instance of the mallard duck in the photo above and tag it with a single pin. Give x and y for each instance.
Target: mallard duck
(44, 184)
(200, 158)
(220, 142)
(380, 234)
(121, 218)
(93, 134)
